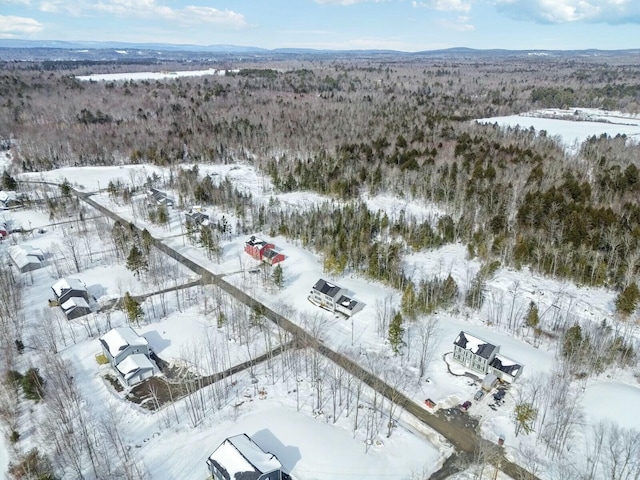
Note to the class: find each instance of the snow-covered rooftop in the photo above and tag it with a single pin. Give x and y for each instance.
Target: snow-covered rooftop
(23, 255)
(506, 365)
(476, 345)
(240, 455)
(68, 284)
(74, 302)
(117, 339)
(130, 365)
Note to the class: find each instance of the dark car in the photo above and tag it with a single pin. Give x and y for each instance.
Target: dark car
(499, 395)
(465, 406)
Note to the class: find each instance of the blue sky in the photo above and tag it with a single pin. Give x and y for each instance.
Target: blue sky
(408, 25)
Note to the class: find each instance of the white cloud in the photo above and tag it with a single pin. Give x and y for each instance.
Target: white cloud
(17, 2)
(461, 24)
(188, 15)
(445, 5)
(346, 2)
(11, 25)
(566, 11)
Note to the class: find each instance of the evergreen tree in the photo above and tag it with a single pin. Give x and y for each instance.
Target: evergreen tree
(396, 331)
(136, 261)
(409, 301)
(162, 215)
(627, 300)
(65, 188)
(278, 276)
(525, 414)
(533, 318)
(210, 243)
(133, 309)
(572, 341)
(147, 241)
(8, 182)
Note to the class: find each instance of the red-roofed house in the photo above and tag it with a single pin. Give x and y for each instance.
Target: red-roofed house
(261, 250)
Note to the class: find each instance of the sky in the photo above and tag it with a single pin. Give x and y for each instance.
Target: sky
(406, 25)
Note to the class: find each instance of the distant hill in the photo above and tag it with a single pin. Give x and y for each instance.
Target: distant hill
(12, 49)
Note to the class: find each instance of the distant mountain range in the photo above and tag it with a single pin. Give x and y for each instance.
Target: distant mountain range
(11, 49)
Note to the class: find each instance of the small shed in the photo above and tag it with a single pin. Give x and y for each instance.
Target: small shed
(489, 381)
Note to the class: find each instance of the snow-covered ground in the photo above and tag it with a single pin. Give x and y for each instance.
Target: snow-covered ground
(509, 293)
(114, 77)
(573, 126)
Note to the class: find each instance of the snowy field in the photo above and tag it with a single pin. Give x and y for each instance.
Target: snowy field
(114, 77)
(573, 126)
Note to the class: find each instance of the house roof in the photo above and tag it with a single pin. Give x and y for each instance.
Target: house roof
(23, 255)
(240, 457)
(347, 302)
(255, 241)
(75, 302)
(29, 250)
(68, 284)
(506, 365)
(476, 345)
(270, 253)
(132, 364)
(327, 288)
(117, 339)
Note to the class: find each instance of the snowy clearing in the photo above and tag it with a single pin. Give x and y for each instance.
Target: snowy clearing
(573, 126)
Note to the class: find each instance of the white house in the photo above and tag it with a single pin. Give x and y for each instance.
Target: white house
(333, 298)
(239, 457)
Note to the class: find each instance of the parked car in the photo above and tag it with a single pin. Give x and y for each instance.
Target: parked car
(465, 406)
(478, 396)
(499, 395)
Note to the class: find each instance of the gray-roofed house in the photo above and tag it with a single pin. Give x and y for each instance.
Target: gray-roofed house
(75, 307)
(158, 197)
(196, 218)
(68, 287)
(240, 458)
(26, 258)
(120, 342)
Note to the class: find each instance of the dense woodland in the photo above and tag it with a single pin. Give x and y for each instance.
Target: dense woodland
(353, 127)
(348, 127)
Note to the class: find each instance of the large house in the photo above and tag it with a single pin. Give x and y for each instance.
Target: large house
(120, 342)
(129, 354)
(333, 298)
(264, 251)
(240, 458)
(481, 356)
(65, 288)
(157, 197)
(195, 218)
